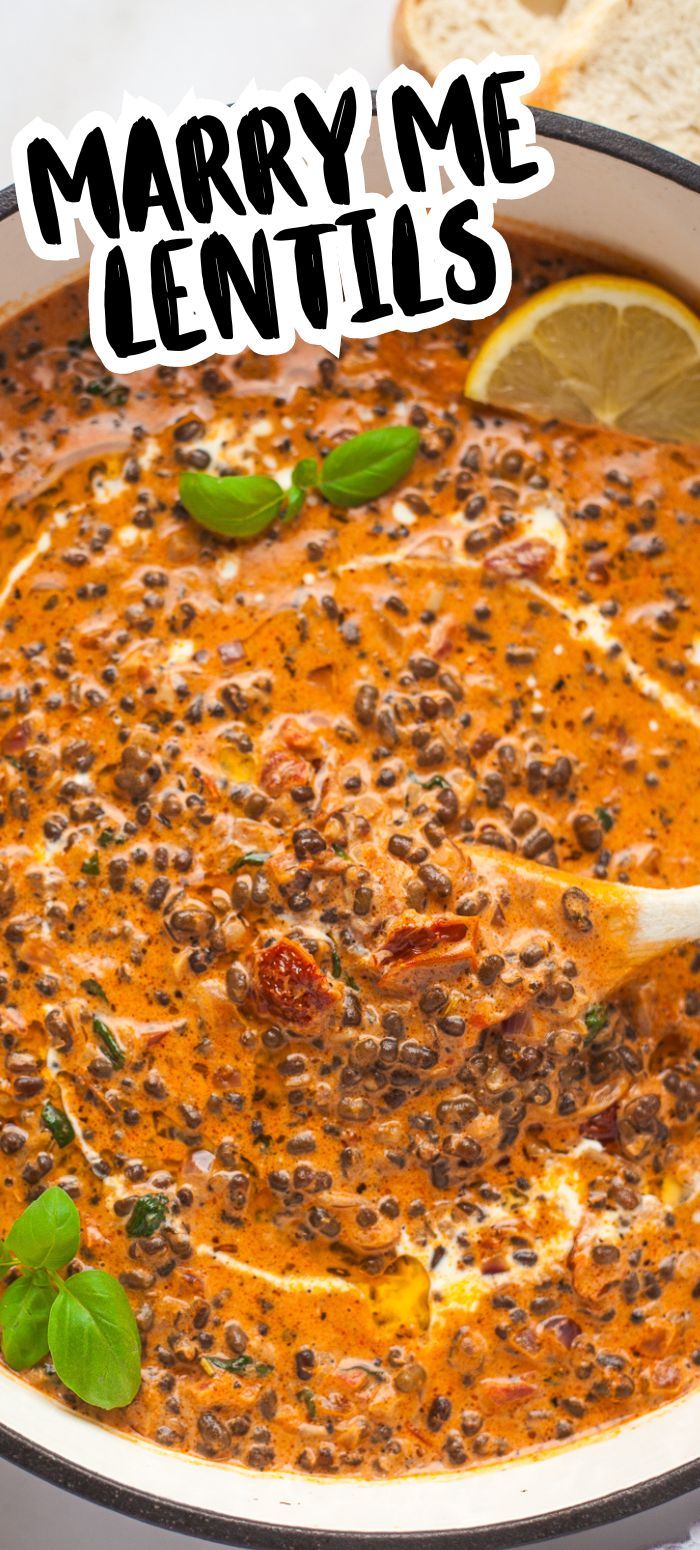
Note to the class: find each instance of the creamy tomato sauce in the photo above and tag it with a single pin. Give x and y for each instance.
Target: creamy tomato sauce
(386, 1192)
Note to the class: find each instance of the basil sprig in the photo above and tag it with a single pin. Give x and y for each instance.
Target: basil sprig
(85, 1322)
(357, 471)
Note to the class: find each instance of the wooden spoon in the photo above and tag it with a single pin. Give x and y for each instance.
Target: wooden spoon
(608, 929)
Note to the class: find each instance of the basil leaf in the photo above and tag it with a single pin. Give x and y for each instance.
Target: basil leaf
(305, 474)
(58, 1123)
(368, 465)
(6, 1261)
(251, 858)
(94, 1340)
(237, 506)
(294, 503)
(24, 1319)
(148, 1214)
(108, 1042)
(91, 865)
(47, 1234)
(605, 819)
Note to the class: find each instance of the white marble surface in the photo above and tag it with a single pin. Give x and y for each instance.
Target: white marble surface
(64, 57)
(61, 58)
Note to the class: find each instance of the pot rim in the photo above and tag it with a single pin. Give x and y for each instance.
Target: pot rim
(248, 1533)
(252, 1534)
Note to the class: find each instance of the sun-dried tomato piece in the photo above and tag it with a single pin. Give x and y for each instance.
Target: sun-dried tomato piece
(281, 770)
(525, 557)
(408, 940)
(602, 1127)
(291, 986)
(506, 1391)
(417, 947)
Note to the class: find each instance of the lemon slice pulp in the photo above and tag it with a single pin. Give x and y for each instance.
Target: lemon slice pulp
(597, 349)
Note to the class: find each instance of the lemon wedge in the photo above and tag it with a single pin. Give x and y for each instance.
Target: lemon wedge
(598, 349)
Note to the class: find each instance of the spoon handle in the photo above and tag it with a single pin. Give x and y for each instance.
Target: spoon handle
(666, 915)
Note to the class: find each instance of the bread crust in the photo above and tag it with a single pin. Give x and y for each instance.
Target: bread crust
(411, 40)
(578, 70)
(403, 49)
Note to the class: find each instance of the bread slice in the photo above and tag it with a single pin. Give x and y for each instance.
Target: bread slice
(428, 34)
(633, 65)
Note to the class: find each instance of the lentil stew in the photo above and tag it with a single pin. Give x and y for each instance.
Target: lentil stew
(386, 1195)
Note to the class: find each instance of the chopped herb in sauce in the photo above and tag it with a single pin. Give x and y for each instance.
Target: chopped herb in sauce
(93, 988)
(251, 858)
(238, 1364)
(109, 1043)
(115, 393)
(148, 1215)
(596, 1018)
(58, 1123)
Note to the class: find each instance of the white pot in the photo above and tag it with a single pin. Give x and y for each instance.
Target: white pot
(610, 193)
